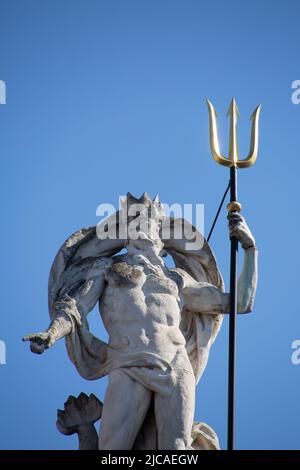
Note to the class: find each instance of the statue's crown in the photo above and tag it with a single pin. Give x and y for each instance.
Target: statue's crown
(143, 199)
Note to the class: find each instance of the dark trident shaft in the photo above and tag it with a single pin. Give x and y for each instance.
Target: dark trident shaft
(232, 321)
(233, 162)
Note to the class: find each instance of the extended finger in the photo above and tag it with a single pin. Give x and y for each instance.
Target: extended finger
(37, 337)
(29, 337)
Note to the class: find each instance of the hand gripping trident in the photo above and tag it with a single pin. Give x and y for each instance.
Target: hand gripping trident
(234, 206)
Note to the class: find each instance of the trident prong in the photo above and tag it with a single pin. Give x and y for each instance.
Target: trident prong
(233, 158)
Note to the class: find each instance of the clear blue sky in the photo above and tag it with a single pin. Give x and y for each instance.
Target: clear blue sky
(105, 97)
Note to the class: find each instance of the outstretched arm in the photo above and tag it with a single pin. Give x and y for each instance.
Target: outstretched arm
(206, 298)
(71, 307)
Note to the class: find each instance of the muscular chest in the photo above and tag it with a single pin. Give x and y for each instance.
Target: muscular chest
(123, 275)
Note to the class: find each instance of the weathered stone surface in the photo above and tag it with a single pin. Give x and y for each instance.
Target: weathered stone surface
(78, 416)
(161, 323)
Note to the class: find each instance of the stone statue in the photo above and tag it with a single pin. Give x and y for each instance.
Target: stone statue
(161, 322)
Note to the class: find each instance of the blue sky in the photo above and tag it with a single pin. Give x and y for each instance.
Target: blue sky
(105, 97)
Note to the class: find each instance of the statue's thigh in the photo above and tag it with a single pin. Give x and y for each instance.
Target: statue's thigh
(174, 415)
(126, 403)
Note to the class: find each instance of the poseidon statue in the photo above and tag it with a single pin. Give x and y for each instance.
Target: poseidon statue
(161, 321)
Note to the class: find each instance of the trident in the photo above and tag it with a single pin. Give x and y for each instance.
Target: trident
(234, 206)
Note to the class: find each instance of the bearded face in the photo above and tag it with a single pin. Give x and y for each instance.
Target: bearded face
(143, 217)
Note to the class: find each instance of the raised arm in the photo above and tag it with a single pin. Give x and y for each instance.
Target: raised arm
(206, 298)
(71, 307)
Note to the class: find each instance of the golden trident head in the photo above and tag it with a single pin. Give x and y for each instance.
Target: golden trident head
(233, 158)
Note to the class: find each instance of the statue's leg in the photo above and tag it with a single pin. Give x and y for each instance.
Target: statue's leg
(126, 403)
(175, 414)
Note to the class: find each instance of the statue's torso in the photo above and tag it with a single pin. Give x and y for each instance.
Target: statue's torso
(140, 309)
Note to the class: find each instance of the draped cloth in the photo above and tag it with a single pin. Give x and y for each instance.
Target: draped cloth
(81, 250)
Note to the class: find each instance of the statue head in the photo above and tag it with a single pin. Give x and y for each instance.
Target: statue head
(143, 217)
